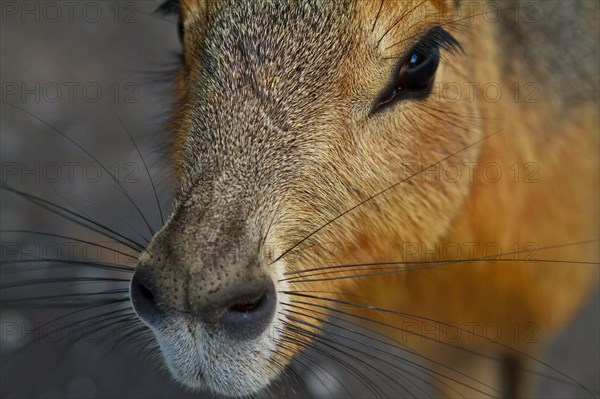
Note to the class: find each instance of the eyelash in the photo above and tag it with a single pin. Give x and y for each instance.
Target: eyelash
(436, 39)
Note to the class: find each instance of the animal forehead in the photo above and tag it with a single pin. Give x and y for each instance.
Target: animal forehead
(266, 31)
(265, 18)
(201, 6)
(287, 56)
(268, 43)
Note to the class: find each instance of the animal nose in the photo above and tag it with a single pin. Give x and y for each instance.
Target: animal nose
(242, 311)
(246, 310)
(143, 299)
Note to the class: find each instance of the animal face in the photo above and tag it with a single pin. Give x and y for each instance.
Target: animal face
(299, 126)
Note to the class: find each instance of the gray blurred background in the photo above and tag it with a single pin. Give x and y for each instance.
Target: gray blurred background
(74, 66)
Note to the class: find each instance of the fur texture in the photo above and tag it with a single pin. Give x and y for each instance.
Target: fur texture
(274, 139)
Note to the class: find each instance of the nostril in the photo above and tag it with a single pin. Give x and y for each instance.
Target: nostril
(146, 293)
(249, 306)
(143, 299)
(249, 310)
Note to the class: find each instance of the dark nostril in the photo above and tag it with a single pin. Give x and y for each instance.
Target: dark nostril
(249, 306)
(249, 311)
(146, 293)
(143, 299)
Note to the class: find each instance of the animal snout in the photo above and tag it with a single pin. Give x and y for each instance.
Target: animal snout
(241, 311)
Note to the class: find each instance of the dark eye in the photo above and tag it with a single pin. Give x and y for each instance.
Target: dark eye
(418, 71)
(414, 75)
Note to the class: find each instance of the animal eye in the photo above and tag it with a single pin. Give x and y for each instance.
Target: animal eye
(414, 75)
(417, 71)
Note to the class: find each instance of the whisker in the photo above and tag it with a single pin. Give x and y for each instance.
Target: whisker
(446, 24)
(94, 317)
(404, 15)
(144, 352)
(63, 280)
(41, 233)
(120, 186)
(373, 388)
(450, 261)
(69, 263)
(396, 345)
(135, 332)
(162, 219)
(297, 357)
(428, 372)
(103, 209)
(53, 208)
(393, 327)
(101, 323)
(73, 305)
(330, 343)
(8, 359)
(438, 264)
(306, 344)
(63, 296)
(426, 319)
(362, 352)
(98, 325)
(377, 16)
(285, 369)
(380, 193)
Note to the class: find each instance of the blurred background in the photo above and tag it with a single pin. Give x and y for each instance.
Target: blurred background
(94, 71)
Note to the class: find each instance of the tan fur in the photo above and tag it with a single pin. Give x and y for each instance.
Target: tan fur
(349, 157)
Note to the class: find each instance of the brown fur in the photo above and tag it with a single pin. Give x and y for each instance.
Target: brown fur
(274, 139)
